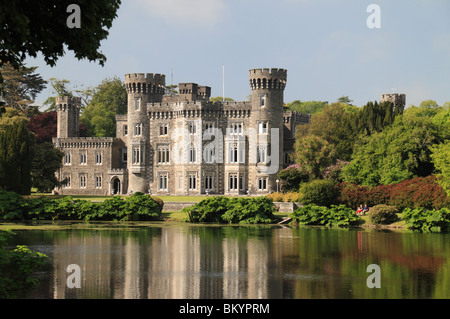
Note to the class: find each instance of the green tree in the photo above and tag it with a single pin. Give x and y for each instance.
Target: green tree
(313, 155)
(109, 99)
(220, 99)
(30, 27)
(20, 86)
(307, 107)
(440, 155)
(46, 161)
(335, 124)
(16, 152)
(401, 151)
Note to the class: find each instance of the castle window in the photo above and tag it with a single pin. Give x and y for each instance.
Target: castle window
(83, 157)
(262, 152)
(67, 184)
(262, 127)
(262, 100)
(137, 129)
(209, 154)
(209, 126)
(236, 153)
(163, 155)
(235, 128)
(138, 155)
(192, 181)
(233, 182)
(209, 182)
(125, 130)
(82, 181)
(163, 181)
(163, 129)
(98, 181)
(233, 153)
(98, 158)
(262, 183)
(192, 155)
(124, 154)
(137, 104)
(67, 158)
(192, 127)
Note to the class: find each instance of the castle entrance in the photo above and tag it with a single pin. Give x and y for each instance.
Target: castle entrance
(115, 185)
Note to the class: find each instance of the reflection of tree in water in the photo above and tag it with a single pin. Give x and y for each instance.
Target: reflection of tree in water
(410, 251)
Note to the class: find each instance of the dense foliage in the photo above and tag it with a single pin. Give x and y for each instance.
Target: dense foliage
(17, 267)
(137, 207)
(383, 214)
(416, 192)
(333, 216)
(16, 152)
(220, 209)
(427, 220)
(322, 192)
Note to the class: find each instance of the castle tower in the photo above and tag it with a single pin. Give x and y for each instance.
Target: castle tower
(141, 89)
(397, 99)
(68, 114)
(267, 114)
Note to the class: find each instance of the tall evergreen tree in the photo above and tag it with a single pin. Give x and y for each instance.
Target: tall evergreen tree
(16, 152)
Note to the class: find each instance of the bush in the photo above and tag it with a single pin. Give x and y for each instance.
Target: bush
(220, 209)
(416, 192)
(280, 197)
(334, 216)
(136, 207)
(322, 192)
(258, 210)
(11, 206)
(383, 214)
(275, 196)
(427, 220)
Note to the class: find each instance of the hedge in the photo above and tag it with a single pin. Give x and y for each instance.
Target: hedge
(334, 216)
(220, 209)
(136, 207)
(427, 220)
(413, 193)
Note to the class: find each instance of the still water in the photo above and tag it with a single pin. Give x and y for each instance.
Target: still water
(177, 260)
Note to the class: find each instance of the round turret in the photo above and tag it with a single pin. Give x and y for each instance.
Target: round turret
(68, 114)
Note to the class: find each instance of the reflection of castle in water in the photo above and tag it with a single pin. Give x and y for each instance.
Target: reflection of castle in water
(172, 265)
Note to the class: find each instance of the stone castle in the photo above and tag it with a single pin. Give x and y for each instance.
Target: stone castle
(183, 144)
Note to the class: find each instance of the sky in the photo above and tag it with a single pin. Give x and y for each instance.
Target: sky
(326, 46)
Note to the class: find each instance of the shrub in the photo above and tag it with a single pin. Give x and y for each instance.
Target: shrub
(334, 216)
(258, 210)
(220, 209)
(11, 206)
(291, 197)
(275, 197)
(383, 214)
(427, 220)
(291, 177)
(416, 192)
(141, 207)
(209, 210)
(321, 192)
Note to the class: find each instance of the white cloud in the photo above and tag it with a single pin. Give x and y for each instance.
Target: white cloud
(206, 13)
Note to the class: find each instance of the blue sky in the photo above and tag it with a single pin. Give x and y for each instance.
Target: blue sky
(325, 45)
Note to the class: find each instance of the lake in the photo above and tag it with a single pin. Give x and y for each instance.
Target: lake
(180, 260)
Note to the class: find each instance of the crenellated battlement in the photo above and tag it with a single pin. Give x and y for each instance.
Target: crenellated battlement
(67, 103)
(268, 78)
(146, 83)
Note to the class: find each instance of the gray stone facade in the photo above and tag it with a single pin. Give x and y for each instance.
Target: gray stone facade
(182, 144)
